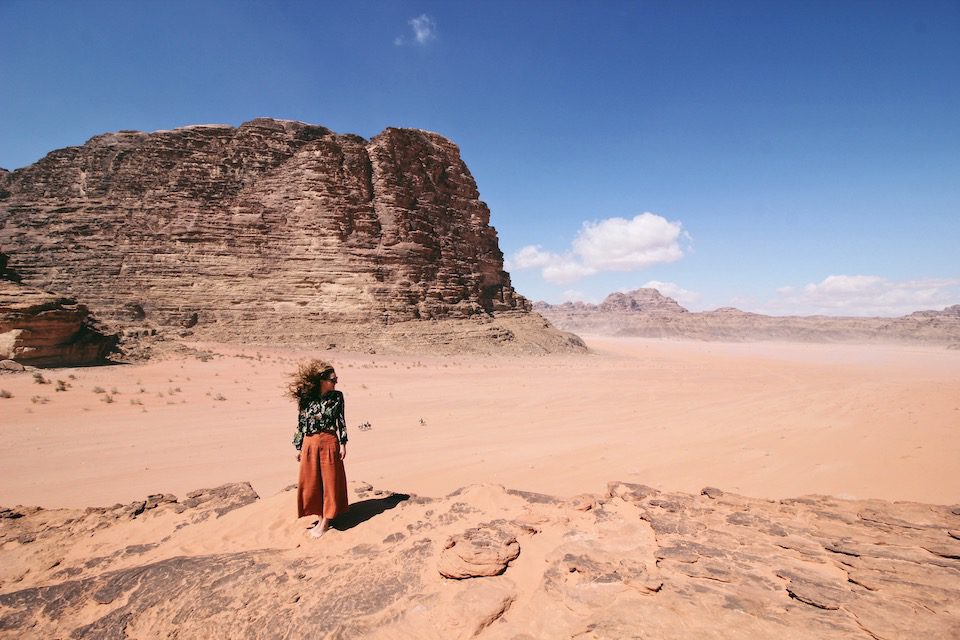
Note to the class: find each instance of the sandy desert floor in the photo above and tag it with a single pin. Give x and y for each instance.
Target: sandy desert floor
(760, 419)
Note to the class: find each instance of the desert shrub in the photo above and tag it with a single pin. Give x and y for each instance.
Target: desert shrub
(99, 390)
(39, 379)
(62, 386)
(5, 394)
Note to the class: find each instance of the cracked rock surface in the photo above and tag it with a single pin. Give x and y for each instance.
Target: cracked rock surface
(484, 562)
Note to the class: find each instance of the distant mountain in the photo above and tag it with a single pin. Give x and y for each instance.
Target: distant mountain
(648, 313)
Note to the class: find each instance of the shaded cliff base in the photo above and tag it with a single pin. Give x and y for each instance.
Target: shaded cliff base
(486, 562)
(501, 334)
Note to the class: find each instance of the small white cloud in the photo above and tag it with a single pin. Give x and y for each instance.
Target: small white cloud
(573, 295)
(565, 270)
(672, 290)
(424, 30)
(531, 256)
(861, 295)
(555, 268)
(612, 244)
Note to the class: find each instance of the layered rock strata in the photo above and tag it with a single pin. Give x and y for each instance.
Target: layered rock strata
(44, 329)
(647, 313)
(633, 562)
(275, 230)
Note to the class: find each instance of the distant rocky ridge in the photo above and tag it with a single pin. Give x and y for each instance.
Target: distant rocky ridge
(273, 231)
(648, 313)
(484, 561)
(39, 328)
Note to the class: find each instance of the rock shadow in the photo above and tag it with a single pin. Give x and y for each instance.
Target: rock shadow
(360, 512)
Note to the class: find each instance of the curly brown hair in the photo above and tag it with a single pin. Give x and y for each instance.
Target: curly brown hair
(305, 383)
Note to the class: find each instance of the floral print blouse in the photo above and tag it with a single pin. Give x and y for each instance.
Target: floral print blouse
(319, 416)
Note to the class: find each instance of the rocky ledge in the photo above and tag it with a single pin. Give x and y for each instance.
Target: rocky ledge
(649, 314)
(633, 562)
(272, 231)
(43, 329)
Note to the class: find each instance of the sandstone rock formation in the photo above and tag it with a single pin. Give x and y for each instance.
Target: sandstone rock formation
(43, 329)
(647, 313)
(272, 231)
(633, 562)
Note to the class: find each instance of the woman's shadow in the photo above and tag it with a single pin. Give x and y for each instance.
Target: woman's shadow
(360, 512)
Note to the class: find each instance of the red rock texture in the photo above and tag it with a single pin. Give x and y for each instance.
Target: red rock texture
(43, 329)
(640, 563)
(274, 228)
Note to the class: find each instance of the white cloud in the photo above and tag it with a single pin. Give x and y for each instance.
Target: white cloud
(861, 295)
(424, 30)
(612, 244)
(618, 244)
(674, 291)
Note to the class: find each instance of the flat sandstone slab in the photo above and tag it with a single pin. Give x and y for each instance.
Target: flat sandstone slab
(628, 562)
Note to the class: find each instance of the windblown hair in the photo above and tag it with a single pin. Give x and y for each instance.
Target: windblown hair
(305, 383)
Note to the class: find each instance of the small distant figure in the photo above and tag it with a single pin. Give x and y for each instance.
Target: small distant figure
(321, 442)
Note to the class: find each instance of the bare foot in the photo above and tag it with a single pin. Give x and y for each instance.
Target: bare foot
(319, 529)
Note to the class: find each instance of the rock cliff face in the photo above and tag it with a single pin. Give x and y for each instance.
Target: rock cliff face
(647, 313)
(43, 329)
(275, 230)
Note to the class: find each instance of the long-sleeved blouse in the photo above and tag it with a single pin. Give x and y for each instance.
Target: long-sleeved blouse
(319, 416)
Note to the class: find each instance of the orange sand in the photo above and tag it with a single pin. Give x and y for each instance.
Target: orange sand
(761, 419)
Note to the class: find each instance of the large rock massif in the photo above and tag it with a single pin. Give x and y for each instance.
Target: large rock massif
(44, 329)
(488, 562)
(647, 313)
(272, 231)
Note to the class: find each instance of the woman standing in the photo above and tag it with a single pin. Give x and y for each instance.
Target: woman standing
(321, 440)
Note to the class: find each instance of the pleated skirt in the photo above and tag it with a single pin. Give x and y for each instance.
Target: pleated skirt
(322, 485)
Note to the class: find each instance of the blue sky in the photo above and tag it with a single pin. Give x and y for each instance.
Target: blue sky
(781, 157)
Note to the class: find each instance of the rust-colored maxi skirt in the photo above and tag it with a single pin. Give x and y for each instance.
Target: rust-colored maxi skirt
(322, 487)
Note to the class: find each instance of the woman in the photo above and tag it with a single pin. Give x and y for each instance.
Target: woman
(321, 442)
